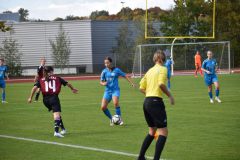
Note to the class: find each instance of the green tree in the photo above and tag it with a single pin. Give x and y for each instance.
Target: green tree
(124, 51)
(94, 15)
(186, 18)
(228, 26)
(4, 28)
(61, 49)
(58, 19)
(12, 56)
(23, 14)
(125, 14)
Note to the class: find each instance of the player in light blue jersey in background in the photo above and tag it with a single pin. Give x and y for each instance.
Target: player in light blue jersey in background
(168, 64)
(209, 67)
(3, 74)
(109, 79)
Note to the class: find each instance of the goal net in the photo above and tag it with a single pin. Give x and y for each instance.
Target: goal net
(183, 56)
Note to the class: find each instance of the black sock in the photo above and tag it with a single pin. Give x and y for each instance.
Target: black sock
(61, 124)
(146, 143)
(56, 125)
(37, 96)
(159, 146)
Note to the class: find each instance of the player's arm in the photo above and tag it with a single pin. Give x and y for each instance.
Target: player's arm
(216, 67)
(167, 93)
(6, 75)
(143, 85)
(103, 80)
(203, 68)
(36, 78)
(162, 79)
(32, 93)
(122, 74)
(129, 80)
(65, 83)
(74, 90)
(103, 83)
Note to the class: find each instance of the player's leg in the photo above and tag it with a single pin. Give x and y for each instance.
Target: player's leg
(62, 126)
(210, 93)
(169, 84)
(3, 86)
(146, 143)
(115, 97)
(105, 100)
(37, 95)
(53, 103)
(215, 81)
(152, 130)
(196, 69)
(163, 133)
(200, 70)
(56, 116)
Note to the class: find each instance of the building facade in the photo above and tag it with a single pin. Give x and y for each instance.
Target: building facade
(91, 41)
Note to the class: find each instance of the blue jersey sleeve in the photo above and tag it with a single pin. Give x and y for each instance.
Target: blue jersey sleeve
(103, 77)
(121, 73)
(204, 65)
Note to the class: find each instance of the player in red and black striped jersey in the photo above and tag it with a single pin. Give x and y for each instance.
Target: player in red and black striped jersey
(39, 76)
(50, 86)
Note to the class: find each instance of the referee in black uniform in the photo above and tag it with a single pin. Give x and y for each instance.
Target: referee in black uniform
(153, 85)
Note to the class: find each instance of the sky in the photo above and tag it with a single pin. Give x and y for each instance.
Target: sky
(51, 9)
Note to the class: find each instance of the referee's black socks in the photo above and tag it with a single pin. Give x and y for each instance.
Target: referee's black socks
(159, 146)
(146, 143)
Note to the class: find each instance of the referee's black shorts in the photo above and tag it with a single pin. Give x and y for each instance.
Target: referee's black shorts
(52, 102)
(154, 112)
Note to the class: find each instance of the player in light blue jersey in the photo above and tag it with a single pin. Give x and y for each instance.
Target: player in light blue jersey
(109, 79)
(209, 67)
(3, 75)
(168, 64)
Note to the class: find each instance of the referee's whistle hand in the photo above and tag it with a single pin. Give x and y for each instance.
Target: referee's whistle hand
(172, 101)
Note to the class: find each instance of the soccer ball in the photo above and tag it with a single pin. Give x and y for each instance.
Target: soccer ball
(116, 119)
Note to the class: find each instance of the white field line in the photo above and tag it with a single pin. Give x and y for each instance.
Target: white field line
(73, 146)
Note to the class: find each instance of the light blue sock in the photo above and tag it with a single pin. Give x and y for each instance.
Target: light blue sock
(169, 85)
(107, 113)
(217, 92)
(210, 94)
(3, 95)
(118, 110)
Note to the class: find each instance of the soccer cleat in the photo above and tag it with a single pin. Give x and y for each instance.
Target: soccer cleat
(121, 122)
(218, 100)
(111, 122)
(63, 131)
(56, 134)
(4, 102)
(211, 101)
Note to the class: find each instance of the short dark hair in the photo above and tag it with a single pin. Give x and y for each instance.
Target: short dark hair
(109, 59)
(48, 69)
(1, 59)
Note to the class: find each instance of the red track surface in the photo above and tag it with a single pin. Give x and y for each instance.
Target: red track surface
(26, 80)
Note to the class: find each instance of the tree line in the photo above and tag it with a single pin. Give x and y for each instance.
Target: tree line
(185, 17)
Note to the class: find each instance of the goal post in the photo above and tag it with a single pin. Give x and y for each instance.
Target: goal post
(182, 55)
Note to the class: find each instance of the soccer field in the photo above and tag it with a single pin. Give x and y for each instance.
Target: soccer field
(198, 130)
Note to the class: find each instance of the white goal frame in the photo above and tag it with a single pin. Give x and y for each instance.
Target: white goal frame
(139, 47)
